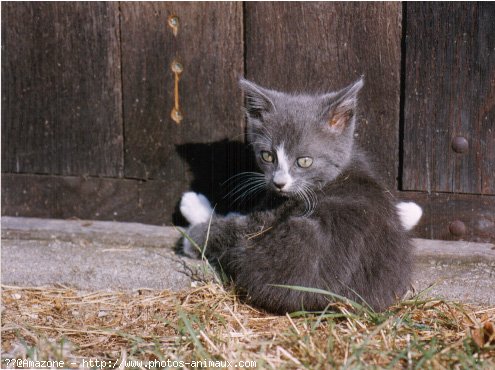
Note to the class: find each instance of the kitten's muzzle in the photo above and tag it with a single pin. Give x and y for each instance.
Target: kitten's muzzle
(281, 181)
(279, 186)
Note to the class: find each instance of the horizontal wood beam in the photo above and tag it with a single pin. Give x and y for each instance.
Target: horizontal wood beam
(64, 197)
(155, 202)
(476, 212)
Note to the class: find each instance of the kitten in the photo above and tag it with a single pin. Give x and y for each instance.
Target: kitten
(325, 221)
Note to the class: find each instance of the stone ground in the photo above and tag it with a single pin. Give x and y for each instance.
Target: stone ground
(101, 255)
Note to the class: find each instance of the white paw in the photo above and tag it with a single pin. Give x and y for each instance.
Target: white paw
(195, 208)
(409, 214)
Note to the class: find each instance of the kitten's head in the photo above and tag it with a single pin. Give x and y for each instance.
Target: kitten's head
(300, 141)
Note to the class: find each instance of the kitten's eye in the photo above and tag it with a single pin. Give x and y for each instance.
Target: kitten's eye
(267, 156)
(304, 162)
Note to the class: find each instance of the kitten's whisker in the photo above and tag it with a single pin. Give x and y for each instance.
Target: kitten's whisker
(243, 185)
(300, 195)
(258, 187)
(265, 134)
(237, 187)
(255, 192)
(237, 136)
(260, 143)
(248, 173)
(250, 194)
(310, 204)
(309, 197)
(260, 135)
(314, 198)
(260, 138)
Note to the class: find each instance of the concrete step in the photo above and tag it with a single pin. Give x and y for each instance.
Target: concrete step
(102, 255)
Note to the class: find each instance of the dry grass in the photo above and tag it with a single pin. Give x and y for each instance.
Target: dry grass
(209, 323)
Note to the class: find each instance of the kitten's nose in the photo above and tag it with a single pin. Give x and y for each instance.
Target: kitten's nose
(279, 184)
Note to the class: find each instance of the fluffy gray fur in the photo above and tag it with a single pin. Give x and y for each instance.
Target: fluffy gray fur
(335, 228)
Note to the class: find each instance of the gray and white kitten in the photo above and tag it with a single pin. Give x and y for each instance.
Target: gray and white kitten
(325, 221)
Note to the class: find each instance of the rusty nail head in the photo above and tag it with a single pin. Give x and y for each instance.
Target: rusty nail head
(457, 228)
(460, 144)
(177, 67)
(176, 116)
(173, 21)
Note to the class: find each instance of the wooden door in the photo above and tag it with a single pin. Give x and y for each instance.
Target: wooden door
(88, 90)
(449, 117)
(61, 92)
(324, 46)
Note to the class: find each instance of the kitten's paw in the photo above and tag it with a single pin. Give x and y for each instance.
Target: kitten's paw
(194, 240)
(409, 214)
(189, 248)
(195, 208)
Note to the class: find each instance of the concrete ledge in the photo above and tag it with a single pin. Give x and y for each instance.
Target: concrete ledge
(105, 232)
(115, 255)
(456, 270)
(92, 255)
(454, 251)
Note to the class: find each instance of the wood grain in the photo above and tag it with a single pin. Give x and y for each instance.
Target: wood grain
(324, 46)
(69, 69)
(477, 212)
(155, 202)
(209, 45)
(449, 92)
(150, 202)
(61, 89)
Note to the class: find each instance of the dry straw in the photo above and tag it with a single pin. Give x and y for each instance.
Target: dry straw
(209, 323)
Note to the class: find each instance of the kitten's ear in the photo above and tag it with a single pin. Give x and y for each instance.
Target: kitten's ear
(342, 107)
(257, 99)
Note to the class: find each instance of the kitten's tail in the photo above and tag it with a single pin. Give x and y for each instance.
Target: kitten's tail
(409, 214)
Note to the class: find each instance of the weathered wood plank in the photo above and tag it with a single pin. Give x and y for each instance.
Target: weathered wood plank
(450, 92)
(151, 202)
(322, 46)
(61, 89)
(155, 202)
(209, 45)
(477, 212)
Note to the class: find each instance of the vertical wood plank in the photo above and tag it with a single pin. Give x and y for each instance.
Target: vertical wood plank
(209, 45)
(450, 92)
(320, 46)
(61, 89)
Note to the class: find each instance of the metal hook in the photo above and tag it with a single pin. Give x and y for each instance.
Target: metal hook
(176, 114)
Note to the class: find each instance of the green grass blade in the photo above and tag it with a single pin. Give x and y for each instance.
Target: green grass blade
(354, 304)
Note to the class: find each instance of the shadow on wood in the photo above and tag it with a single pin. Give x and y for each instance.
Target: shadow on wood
(213, 165)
